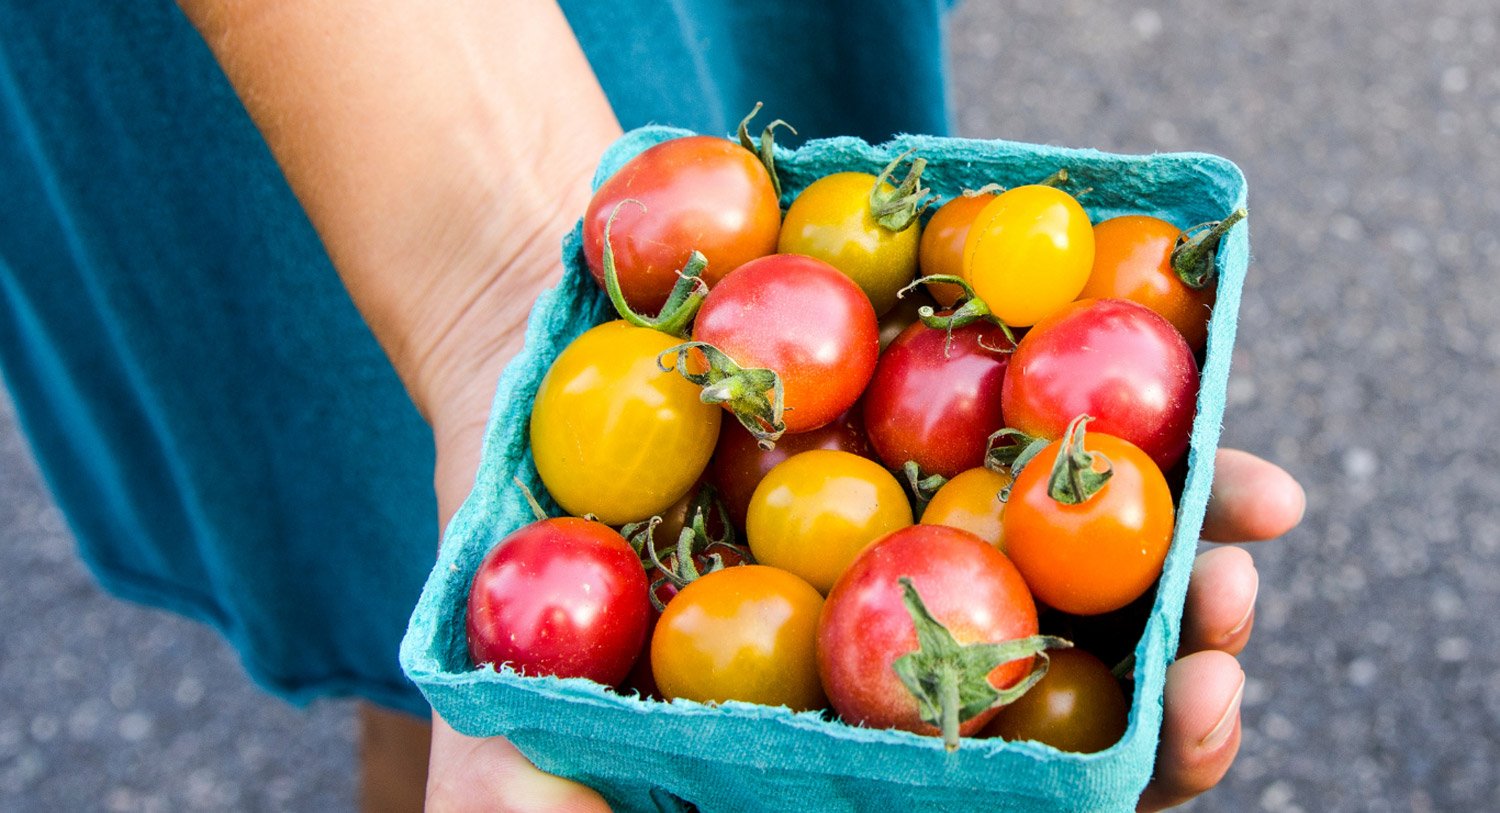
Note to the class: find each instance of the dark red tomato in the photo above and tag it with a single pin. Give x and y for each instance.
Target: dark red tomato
(937, 407)
(1115, 360)
(563, 597)
(968, 586)
(739, 464)
(802, 318)
(1133, 260)
(943, 238)
(1078, 706)
(700, 193)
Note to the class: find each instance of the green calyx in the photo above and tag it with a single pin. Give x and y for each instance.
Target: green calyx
(1193, 258)
(900, 207)
(1077, 474)
(950, 681)
(1010, 450)
(767, 148)
(696, 552)
(922, 487)
(970, 309)
(754, 394)
(682, 303)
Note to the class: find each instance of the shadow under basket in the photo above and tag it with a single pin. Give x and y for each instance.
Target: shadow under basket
(644, 755)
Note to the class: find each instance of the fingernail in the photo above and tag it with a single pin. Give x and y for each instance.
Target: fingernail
(1249, 611)
(1221, 730)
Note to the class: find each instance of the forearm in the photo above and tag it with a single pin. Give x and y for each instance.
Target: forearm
(440, 149)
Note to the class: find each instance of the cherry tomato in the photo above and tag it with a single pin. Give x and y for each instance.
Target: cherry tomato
(831, 220)
(700, 193)
(968, 586)
(563, 597)
(1100, 554)
(739, 464)
(906, 312)
(1078, 706)
(803, 319)
(937, 401)
(614, 436)
(814, 513)
(971, 502)
(744, 633)
(1114, 360)
(942, 248)
(1133, 260)
(1029, 253)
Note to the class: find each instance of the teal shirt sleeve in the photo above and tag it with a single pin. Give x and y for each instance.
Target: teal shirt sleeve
(213, 417)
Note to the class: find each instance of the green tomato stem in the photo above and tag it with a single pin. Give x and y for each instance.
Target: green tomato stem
(1193, 260)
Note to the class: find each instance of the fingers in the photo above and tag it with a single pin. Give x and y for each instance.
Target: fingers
(491, 775)
(1200, 731)
(1252, 499)
(1220, 609)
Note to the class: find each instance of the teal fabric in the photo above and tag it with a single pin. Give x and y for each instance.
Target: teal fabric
(216, 422)
(648, 756)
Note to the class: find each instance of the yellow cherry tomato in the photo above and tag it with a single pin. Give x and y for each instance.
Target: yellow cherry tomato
(742, 633)
(831, 220)
(614, 436)
(971, 502)
(816, 511)
(1028, 253)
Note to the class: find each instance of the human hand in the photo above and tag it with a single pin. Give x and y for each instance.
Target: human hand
(1252, 501)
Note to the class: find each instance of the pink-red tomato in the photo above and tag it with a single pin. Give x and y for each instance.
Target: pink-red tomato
(803, 319)
(967, 585)
(699, 193)
(739, 464)
(937, 402)
(1112, 359)
(564, 597)
(1097, 555)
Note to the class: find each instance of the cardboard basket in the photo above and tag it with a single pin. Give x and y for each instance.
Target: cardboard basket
(644, 755)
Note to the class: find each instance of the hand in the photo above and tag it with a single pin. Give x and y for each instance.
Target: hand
(1252, 500)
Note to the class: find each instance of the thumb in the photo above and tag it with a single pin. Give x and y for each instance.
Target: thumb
(491, 775)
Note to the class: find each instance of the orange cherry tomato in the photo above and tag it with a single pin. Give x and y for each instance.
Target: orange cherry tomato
(1133, 260)
(816, 511)
(942, 247)
(744, 633)
(1078, 706)
(1101, 553)
(971, 502)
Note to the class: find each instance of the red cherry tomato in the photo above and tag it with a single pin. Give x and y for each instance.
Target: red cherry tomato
(803, 319)
(739, 464)
(1102, 553)
(967, 585)
(1078, 706)
(937, 403)
(700, 193)
(1114, 360)
(942, 248)
(1133, 260)
(563, 597)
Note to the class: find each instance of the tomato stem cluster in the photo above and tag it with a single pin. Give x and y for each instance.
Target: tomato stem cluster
(970, 309)
(1193, 258)
(1077, 474)
(682, 304)
(923, 487)
(743, 389)
(767, 148)
(899, 208)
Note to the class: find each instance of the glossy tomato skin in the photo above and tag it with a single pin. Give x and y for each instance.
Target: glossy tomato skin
(967, 585)
(971, 502)
(814, 513)
(1028, 253)
(942, 249)
(614, 436)
(831, 220)
(1115, 360)
(1078, 706)
(934, 405)
(744, 633)
(1133, 260)
(802, 318)
(1100, 554)
(563, 597)
(739, 464)
(700, 193)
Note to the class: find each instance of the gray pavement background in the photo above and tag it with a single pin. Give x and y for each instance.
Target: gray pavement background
(1366, 364)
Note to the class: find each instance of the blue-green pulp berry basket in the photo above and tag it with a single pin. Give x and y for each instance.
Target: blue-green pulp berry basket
(644, 755)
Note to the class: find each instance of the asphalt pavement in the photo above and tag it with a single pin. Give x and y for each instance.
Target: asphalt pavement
(1366, 364)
